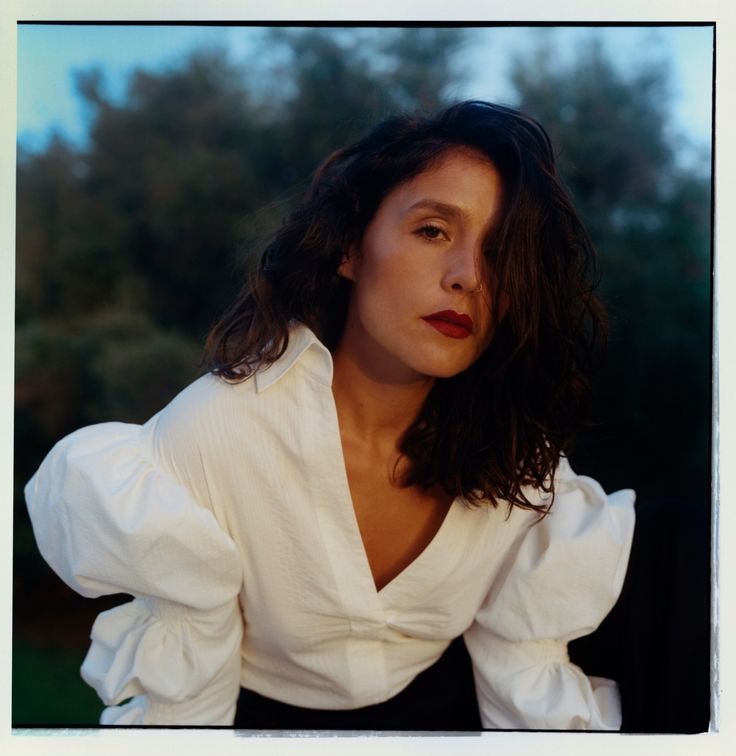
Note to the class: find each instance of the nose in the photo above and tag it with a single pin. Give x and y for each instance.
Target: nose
(464, 265)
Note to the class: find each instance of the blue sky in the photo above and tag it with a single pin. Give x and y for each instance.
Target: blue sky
(49, 55)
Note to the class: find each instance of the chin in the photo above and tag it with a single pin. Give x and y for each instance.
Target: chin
(447, 359)
(443, 368)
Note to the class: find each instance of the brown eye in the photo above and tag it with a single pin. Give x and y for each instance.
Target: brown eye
(430, 232)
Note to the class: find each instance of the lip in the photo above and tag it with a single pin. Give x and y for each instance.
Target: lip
(450, 323)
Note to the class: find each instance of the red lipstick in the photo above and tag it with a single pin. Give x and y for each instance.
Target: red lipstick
(450, 323)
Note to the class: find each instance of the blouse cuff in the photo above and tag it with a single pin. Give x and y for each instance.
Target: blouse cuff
(177, 664)
(535, 686)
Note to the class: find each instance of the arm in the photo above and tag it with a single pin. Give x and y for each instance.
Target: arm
(563, 579)
(108, 520)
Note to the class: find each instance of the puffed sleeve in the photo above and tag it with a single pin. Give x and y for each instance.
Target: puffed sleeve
(109, 520)
(561, 579)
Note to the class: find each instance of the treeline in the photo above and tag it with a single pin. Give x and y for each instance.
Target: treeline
(129, 248)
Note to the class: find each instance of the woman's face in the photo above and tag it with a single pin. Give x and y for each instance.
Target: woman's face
(416, 309)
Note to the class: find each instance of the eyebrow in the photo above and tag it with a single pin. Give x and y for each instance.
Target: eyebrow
(451, 211)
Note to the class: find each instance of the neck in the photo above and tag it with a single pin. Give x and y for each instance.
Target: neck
(372, 407)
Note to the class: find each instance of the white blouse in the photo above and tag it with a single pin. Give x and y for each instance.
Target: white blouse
(228, 515)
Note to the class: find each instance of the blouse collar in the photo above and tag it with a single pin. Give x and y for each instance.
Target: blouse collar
(305, 348)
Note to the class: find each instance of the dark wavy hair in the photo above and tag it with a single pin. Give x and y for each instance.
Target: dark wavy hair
(502, 424)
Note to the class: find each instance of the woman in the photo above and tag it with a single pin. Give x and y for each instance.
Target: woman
(373, 468)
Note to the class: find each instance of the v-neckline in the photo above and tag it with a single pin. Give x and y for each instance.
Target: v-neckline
(356, 543)
(405, 574)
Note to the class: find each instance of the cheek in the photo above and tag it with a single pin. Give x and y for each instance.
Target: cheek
(384, 268)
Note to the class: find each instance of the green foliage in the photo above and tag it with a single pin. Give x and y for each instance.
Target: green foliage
(609, 131)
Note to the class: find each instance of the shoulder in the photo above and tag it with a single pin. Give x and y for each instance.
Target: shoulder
(207, 401)
(197, 427)
(217, 432)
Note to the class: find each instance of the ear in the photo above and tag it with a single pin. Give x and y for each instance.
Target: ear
(348, 266)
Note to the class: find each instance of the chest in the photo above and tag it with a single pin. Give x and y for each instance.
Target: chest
(396, 523)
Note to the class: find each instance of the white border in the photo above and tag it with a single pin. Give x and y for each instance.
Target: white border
(94, 741)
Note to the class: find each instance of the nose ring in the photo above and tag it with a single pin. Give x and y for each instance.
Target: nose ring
(476, 291)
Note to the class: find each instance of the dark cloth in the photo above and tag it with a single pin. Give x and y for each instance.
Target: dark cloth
(655, 643)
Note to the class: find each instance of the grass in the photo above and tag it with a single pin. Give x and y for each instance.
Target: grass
(47, 688)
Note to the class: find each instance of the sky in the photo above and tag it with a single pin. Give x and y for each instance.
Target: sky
(48, 56)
